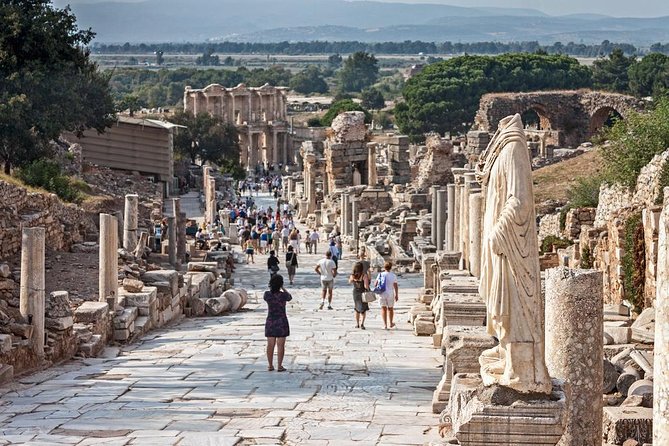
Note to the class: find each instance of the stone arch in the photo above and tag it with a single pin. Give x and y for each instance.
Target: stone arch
(603, 117)
(543, 121)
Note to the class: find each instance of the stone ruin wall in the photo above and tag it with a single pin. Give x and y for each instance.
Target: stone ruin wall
(66, 224)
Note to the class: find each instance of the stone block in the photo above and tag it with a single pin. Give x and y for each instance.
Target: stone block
(216, 305)
(5, 343)
(57, 305)
(643, 328)
(91, 312)
(132, 285)
(501, 416)
(619, 335)
(142, 324)
(462, 346)
(142, 299)
(165, 275)
(622, 423)
(209, 267)
(93, 347)
(6, 373)
(463, 309)
(424, 328)
(126, 318)
(196, 306)
(58, 324)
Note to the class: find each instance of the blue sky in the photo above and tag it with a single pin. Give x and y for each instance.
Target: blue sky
(618, 8)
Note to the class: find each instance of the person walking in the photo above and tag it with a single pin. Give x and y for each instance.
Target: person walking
(327, 269)
(285, 232)
(276, 239)
(277, 328)
(334, 252)
(314, 237)
(360, 283)
(386, 286)
(294, 239)
(307, 242)
(291, 264)
(249, 251)
(273, 264)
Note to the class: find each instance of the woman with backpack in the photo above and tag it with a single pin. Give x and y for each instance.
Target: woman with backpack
(360, 283)
(385, 286)
(291, 263)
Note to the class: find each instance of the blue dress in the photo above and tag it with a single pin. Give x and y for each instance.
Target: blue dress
(276, 325)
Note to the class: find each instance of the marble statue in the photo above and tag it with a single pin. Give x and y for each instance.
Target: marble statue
(510, 281)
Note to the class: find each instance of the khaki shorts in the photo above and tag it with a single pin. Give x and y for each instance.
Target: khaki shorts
(386, 301)
(327, 284)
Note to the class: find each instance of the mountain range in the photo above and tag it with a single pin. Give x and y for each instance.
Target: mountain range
(369, 21)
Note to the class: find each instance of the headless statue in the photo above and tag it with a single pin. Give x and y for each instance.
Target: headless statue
(510, 281)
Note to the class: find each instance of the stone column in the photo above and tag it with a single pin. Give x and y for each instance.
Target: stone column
(108, 274)
(344, 214)
(130, 222)
(433, 215)
(172, 240)
(574, 348)
(475, 228)
(211, 216)
(450, 227)
(456, 214)
(661, 356)
(469, 181)
(372, 178)
(275, 148)
(355, 214)
(181, 229)
(32, 288)
(441, 217)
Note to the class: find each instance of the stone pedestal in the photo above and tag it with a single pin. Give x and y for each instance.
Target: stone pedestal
(486, 416)
(574, 348)
(32, 284)
(172, 240)
(130, 222)
(441, 218)
(475, 232)
(661, 356)
(450, 227)
(108, 274)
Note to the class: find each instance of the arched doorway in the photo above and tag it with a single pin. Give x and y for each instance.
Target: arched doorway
(603, 118)
(536, 118)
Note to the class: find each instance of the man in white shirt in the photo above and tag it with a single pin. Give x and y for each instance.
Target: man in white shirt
(314, 238)
(328, 271)
(285, 232)
(389, 296)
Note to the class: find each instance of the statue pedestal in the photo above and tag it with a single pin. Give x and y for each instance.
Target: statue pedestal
(486, 416)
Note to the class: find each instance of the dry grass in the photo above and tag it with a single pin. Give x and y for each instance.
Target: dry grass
(17, 182)
(552, 182)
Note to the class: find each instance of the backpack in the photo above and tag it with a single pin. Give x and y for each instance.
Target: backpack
(380, 284)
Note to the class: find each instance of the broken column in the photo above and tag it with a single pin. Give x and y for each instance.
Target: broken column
(130, 222)
(661, 356)
(433, 216)
(355, 215)
(441, 217)
(372, 179)
(574, 348)
(450, 227)
(172, 240)
(211, 215)
(108, 274)
(475, 228)
(32, 284)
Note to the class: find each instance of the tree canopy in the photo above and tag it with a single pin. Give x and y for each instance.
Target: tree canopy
(444, 97)
(372, 98)
(309, 80)
(359, 71)
(206, 138)
(610, 73)
(343, 106)
(48, 84)
(650, 76)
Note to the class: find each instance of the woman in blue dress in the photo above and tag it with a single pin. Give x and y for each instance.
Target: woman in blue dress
(276, 325)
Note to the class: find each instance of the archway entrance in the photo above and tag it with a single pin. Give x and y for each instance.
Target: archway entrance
(603, 118)
(536, 118)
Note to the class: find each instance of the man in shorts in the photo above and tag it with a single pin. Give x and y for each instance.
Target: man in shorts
(388, 297)
(328, 271)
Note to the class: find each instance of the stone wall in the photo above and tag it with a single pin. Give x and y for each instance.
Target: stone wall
(65, 224)
(435, 166)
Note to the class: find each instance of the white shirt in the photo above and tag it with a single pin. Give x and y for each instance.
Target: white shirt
(391, 280)
(314, 237)
(285, 232)
(327, 267)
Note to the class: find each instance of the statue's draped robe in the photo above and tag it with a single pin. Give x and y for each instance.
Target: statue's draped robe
(510, 276)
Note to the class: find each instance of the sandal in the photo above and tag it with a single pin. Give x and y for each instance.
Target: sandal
(270, 368)
(281, 369)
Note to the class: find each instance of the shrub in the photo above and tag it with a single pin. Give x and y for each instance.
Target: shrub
(552, 242)
(634, 261)
(587, 262)
(47, 175)
(314, 122)
(343, 106)
(585, 192)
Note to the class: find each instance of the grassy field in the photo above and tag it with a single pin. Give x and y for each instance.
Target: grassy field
(552, 182)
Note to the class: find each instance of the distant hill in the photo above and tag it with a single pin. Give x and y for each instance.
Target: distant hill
(299, 20)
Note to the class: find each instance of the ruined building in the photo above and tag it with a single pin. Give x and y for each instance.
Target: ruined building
(259, 114)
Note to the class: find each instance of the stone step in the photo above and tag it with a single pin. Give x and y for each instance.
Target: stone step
(91, 348)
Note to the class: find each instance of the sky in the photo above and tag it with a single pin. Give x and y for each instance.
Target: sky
(617, 8)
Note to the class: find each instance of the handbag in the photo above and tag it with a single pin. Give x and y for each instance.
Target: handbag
(368, 296)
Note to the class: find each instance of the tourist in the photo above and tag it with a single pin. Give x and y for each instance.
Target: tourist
(307, 242)
(276, 324)
(285, 232)
(360, 283)
(366, 264)
(273, 263)
(294, 240)
(264, 239)
(327, 269)
(276, 239)
(291, 263)
(249, 251)
(334, 252)
(386, 286)
(314, 237)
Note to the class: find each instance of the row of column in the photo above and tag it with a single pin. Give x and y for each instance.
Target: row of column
(350, 215)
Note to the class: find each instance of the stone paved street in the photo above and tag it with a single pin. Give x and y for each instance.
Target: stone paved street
(205, 381)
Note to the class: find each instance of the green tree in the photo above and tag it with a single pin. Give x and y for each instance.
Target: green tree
(372, 99)
(343, 106)
(334, 61)
(359, 71)
(206, 138)
(610, 73)
(444, 96)
(633, 142)
(650, 76)
(129, 102)
(208, 59)
(309, 81)
(160, 59)
(48, 84)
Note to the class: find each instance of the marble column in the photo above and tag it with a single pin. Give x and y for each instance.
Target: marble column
(372, 178)
(433, 215)
(450, 227)
(130, 222)
(108, 273)
(344, 214)
(355, 214)
(31, 297)
(205, 189)
(475, 231)
(661, 356)
(275, 148)
(469, 182)
(181, 229)
(211, 216)
(456, 212)
(172, 240)
(574, 348)
(442, 197)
